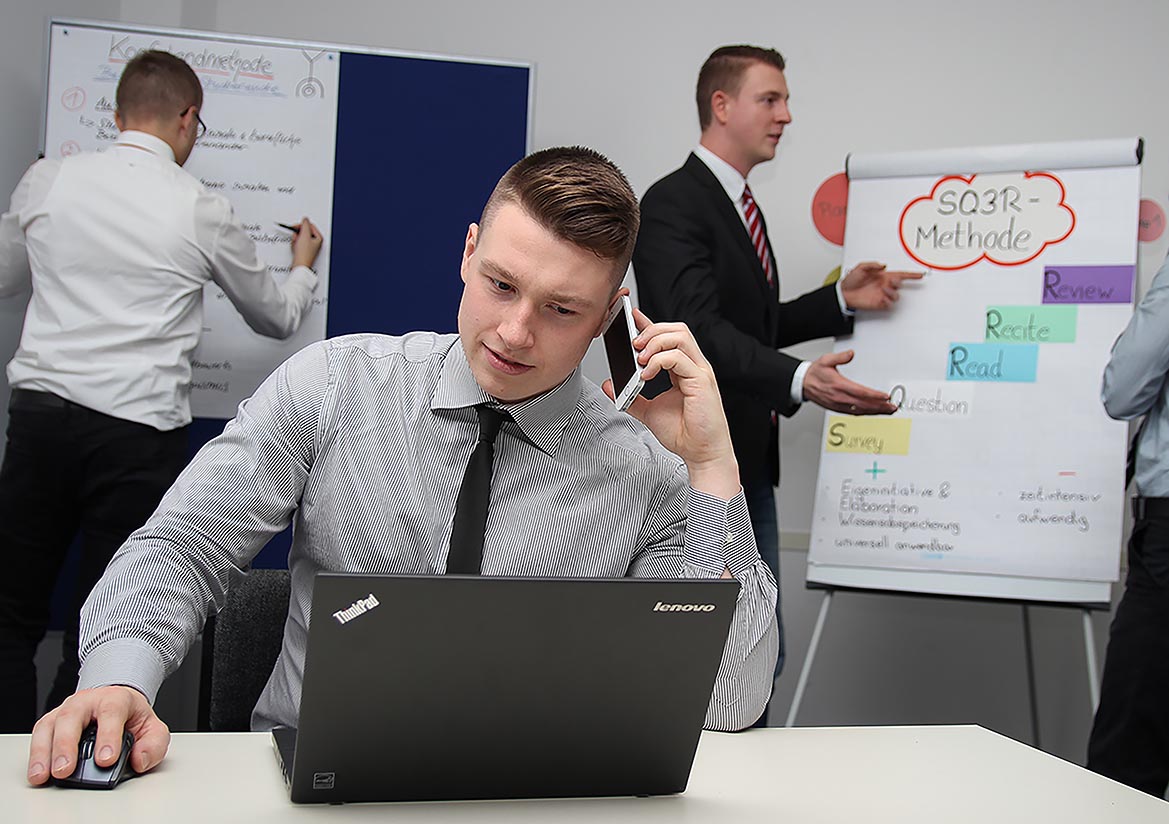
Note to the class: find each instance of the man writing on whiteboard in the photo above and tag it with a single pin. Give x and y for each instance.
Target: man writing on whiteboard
(704, 257)
(1130, 736)
(117, 247)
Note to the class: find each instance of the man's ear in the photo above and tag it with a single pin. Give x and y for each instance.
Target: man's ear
(468, 250)
(189, 121)
(719, 102)
(624, 290)
(119, 121)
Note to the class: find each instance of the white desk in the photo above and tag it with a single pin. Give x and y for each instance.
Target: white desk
(867, 775)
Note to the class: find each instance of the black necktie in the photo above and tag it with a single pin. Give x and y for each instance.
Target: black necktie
(466, 551)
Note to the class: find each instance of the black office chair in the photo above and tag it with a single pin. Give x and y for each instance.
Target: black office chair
(240, 647)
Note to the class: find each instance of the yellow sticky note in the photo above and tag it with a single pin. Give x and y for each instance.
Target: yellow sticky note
(868, 436)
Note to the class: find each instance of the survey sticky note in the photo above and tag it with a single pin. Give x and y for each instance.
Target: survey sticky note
(866, 435)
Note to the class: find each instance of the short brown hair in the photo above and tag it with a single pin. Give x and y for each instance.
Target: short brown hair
(157, 84)
(577, 194)
(723, 71)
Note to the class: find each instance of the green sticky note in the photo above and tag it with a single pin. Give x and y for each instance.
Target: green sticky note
(1054, 323)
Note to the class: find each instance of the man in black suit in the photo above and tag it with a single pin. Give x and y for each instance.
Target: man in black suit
(703, 256)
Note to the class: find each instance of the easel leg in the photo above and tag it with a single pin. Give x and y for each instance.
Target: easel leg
(1031, 678)
(803, 682)
(1090, 654)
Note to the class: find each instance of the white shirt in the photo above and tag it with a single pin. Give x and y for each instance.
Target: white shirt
(117, 246)
(734, 184)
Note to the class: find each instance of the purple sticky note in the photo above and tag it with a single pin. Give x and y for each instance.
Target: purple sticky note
(1088, 284)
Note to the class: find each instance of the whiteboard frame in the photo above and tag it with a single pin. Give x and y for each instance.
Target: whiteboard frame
(1074, 154)
(1087, 594)
(259, 40)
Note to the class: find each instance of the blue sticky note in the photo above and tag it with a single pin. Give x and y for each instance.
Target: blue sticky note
(992, 362)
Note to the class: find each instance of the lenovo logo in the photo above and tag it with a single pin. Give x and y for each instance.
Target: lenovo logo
(660, 607)
(360, 607)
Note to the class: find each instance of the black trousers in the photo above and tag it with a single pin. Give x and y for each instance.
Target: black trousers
(1130, 735)
(67, 470)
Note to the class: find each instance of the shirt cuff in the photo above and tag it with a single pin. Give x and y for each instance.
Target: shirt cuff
(124, 662)
(844, 310)
(798, 382)
(305, 274)
(719, 535)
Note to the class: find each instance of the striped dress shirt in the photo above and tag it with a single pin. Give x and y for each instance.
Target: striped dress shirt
(360, 442)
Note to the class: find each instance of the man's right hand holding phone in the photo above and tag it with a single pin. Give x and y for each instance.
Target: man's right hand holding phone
(688, 419)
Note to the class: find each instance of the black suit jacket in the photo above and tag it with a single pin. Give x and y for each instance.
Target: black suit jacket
(695, 263)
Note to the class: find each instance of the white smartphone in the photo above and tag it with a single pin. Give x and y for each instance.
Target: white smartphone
(620, 330)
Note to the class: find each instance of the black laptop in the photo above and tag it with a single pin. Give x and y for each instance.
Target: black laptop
(422, 688)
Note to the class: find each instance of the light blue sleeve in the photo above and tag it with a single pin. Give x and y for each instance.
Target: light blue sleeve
(1135, 374)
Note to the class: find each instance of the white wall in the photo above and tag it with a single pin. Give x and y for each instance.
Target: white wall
(23, 42)
(864, 76)
(619, 76)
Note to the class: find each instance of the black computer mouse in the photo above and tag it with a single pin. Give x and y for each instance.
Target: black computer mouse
(88, 775)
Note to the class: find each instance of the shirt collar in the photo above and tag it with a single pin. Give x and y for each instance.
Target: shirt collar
(541, 419)
(733, 182)
(142, 140)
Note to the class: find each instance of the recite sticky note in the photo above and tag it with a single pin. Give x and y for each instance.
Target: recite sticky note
(1031, 324)
(870, 436)
(1088, 284)
(990, 362)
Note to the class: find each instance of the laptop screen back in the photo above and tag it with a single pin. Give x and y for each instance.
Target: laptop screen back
(452, 687)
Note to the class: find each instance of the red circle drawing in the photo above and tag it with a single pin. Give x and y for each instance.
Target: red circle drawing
(1152, 221)
(73, 98)
(829, 206)
(70, 147)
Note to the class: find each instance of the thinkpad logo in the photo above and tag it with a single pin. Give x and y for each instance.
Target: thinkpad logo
(359, 607)
(660, 607)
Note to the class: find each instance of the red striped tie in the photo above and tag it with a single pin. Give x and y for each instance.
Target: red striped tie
(755, 229)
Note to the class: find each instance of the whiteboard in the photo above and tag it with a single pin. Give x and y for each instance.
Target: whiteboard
(365, 142)
(1000, 475)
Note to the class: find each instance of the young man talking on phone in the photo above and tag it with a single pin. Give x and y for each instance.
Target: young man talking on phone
(362, 441)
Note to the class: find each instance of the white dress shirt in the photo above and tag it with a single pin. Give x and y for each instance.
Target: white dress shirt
(734, 184)
(117, 246)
